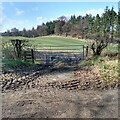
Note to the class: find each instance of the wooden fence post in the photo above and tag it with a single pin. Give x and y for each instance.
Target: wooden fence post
(86, 51)
(25, 56)
(83, 52)
(32, 55)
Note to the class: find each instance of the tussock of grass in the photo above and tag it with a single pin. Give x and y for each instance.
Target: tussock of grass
(90, 61)
(109, 69)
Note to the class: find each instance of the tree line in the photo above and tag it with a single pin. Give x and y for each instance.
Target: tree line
(77, 26)
(103, 29)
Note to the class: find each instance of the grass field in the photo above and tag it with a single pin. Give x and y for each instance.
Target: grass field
(41, 42)
(46, 41)
(49, 40)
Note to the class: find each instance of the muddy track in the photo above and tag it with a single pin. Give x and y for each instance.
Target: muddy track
(82, 80)
(58, 93)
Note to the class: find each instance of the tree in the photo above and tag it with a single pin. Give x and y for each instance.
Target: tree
(63, 18)
(66, 28)
(29, 33)
(118, 24)
(83, 27)
(50, 27)
(33, 32)
(15, 32)
(8, 33)
(78, 19)
(58, 27)
(97, 24)
(89, 26)
(18, 45)
(113, 18)
(24, 32)
(73, 19)
(42, 30)
(104, 31)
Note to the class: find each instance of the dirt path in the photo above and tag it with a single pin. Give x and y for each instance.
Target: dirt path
(53, 103)
(39, 100)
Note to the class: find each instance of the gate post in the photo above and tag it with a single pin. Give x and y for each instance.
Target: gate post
(83, 52)
(25, 56)
(32, 55)
(86, 51)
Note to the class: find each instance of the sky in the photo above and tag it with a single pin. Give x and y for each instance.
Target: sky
(30, 14)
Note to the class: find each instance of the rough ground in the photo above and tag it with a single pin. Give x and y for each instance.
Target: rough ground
(58, 93)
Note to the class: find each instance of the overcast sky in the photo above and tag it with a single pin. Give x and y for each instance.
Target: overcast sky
(30, 14)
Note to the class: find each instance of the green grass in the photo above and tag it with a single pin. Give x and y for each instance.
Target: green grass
(113, 48)
(14, 63)
(56, 41)
(40, 42)
(90, 61)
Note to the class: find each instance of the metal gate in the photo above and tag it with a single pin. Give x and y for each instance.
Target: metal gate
(50, 54)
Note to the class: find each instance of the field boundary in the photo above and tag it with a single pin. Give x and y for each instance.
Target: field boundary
(55, 53)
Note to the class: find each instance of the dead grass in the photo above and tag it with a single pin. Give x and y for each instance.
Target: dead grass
(108, 67)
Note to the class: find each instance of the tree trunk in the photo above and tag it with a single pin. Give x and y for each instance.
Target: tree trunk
(97, 50)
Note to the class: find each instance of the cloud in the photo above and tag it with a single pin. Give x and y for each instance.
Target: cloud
(1, 7)
(93, 12)
(41, 20)
(20, 24)
(35, 9)
(7, 23)
(19, 12)
(2, 20)
(2, 15)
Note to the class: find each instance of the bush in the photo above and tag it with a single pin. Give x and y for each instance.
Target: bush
(7, 50)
